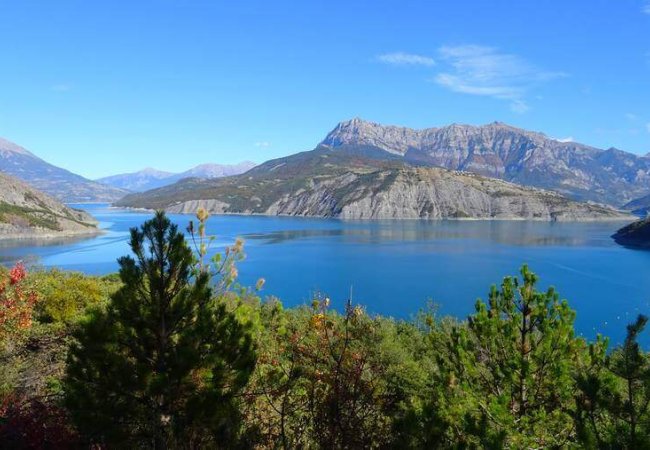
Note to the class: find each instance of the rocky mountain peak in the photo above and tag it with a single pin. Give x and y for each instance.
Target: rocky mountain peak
(503, 151)
(397, 140)
(55, 181)
(400, 140)
(7, 148)
(390, 138)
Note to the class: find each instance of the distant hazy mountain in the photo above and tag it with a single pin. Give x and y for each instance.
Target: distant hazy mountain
(361, 184)
(146, 179)
(502, 151)
(55, 181)
(26, 212)
(640, 206)
(137, 181)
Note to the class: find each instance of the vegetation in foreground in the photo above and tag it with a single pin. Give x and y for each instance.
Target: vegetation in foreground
(172, 353)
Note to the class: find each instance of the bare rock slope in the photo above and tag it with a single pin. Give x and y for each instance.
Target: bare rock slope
(498, 150)
(328, 183)
(26, 212)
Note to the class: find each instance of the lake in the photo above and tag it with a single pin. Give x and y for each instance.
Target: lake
(396, 267)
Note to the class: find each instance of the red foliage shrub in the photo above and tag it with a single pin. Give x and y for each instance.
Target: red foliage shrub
(35, 424)
(16, 305)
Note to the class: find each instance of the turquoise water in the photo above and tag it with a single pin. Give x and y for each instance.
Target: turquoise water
(396, 267)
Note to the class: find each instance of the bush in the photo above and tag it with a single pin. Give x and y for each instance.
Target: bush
(66, 295)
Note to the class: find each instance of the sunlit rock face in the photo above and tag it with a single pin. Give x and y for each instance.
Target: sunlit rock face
(499, 150)
(26, 212)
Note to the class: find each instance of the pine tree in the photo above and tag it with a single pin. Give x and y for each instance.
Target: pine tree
(163, 365)
(614, 403)
(509, 371)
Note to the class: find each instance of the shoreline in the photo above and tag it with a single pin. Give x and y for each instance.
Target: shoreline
(50, 235)
(622, 218)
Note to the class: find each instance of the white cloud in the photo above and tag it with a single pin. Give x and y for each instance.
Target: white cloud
(646, 8)
(263, 144)
(566, 139)
(479, 70)
(405, 59)
(519, 106)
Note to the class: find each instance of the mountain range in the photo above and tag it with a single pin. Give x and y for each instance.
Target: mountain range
(363, 169)
(26, 212)
(639, 206)
(498, 150)
(367, 170)
(69, 187)
(55, 181)
(149, 178)
(364, 183)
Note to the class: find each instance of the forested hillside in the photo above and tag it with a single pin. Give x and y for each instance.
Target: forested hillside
(173, 353)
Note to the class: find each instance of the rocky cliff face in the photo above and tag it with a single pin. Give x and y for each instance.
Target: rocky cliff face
(322, 183)
(55, 181)
(437, 194)
(26, 212)
(498, 150)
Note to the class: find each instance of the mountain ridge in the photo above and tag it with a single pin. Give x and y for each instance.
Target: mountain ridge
(26, 212)
(60, 183)
(355, 185)
(150, 178)
(503, 151)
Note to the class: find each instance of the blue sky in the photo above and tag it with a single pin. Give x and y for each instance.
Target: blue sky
(109, 87)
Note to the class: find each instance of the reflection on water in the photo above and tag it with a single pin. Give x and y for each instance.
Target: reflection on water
(42, 242)
(511, 233)
(395, 267)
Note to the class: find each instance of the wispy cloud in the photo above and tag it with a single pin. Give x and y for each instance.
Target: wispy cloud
(61, 87)
(566, 139)
(631, 116)
(263, 144)
(486, 71)
(647, 127)
(405, 59)
(646, 7)
(519, 106)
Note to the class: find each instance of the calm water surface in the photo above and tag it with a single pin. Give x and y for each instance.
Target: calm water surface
(396, 267)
